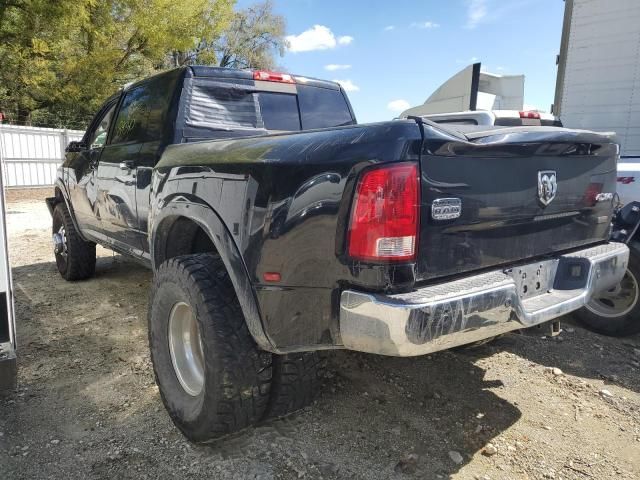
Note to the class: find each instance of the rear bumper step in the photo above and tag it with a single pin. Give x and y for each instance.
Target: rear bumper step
(477, 307)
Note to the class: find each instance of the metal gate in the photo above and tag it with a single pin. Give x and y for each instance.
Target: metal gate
(31, 155)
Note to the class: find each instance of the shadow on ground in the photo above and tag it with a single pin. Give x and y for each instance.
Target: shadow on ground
(576, 351)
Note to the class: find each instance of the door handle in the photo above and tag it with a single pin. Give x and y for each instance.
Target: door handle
(126, 165)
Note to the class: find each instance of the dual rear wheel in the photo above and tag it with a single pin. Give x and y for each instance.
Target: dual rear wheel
(213, 378)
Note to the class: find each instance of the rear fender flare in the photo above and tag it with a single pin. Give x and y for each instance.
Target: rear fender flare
(203, 215)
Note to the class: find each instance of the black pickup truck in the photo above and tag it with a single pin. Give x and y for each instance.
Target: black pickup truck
(277, 227)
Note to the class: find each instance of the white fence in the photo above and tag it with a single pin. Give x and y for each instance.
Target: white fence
(31, 155)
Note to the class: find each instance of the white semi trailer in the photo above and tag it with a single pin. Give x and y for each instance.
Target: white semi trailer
(8, 365)
(598, 88)
(598, 82)
(8, 369)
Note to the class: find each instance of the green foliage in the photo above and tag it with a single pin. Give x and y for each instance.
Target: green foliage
(253, 39)
(61, 59)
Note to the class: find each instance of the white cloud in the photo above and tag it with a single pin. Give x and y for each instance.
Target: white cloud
(348, 85)
(332, 67)
(317, 37)
(473, 59)
(427, 24)
(476, 13)
(481, 12)
(398, 106)
(388, 28)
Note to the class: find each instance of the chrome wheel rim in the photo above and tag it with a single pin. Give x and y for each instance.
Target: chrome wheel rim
(185, 345)
(617, 301)
(60, 242)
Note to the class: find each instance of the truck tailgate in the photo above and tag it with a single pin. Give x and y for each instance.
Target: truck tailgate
(524, 192)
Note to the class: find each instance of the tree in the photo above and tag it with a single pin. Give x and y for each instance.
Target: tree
(60, 60)
(26, 37)
(253, 38)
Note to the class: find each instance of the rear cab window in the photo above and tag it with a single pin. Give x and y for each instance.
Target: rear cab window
(222, 108)
(279, 111)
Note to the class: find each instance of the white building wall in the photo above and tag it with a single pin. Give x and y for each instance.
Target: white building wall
(31, 155)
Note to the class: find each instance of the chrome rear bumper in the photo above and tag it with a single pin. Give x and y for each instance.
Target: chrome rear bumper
(478, 307)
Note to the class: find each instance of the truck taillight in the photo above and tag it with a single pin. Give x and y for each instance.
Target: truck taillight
(385, 214)
(272, 77)
(530, 114)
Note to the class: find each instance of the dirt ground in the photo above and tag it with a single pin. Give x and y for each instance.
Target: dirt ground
(87, 405)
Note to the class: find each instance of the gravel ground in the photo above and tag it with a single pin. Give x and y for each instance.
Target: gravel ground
(87, 406)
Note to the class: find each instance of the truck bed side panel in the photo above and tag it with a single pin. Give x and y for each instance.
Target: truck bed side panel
(285, 200)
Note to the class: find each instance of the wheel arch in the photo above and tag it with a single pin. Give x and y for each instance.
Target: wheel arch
(60, 195)
(181, 228)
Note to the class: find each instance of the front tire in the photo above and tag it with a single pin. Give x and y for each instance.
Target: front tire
(212, 377)
(75, 258)
(616, 312)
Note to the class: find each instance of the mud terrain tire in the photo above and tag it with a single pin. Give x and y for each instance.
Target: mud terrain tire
(236, 375)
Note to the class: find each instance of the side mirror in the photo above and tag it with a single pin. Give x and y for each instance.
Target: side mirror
(75, 147)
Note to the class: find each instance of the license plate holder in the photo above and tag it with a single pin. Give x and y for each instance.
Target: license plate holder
(535, 278)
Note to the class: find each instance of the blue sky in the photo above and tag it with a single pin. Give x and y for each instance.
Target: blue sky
(402, 50)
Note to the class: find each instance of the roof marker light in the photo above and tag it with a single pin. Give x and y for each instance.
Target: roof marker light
(530, 114)
(266, 76)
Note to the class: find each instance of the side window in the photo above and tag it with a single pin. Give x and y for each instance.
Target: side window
(133, 115)
(99, 135)
(322, 108)
(143, 112)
